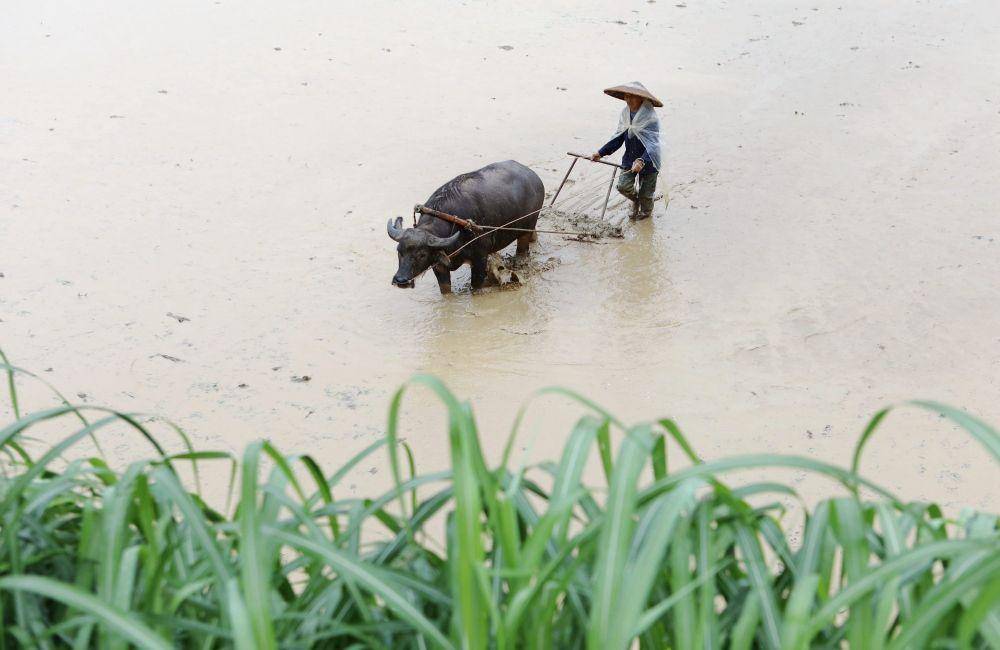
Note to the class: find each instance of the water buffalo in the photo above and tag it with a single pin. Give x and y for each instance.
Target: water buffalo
(491, 196)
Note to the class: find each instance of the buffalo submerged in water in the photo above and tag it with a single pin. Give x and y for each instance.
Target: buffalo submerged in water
(495, 195)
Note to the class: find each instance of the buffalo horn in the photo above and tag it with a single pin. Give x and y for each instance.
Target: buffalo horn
(444, 242)
(395, 230)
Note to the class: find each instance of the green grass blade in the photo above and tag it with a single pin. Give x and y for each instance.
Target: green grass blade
(662, 608)
(565, 491)
(663, 527)
(885, 607)
(553, 390)
(976, 615)
(239, 618)
(796, 627)
(915, 632)
(616, 534)
(674, 432)
(817, 527)
(745, 629)
(679, 567)
(897, 566)
(467, 478)
(894, 542)
(11, 386)
(708, 621)
(534, 558)
(371, 579)
(109, 617)
(755, 461)
(254, 564)
(849, 529)
(757, 570)
(983, 433)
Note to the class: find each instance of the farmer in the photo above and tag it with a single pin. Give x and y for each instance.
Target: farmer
(639, 131)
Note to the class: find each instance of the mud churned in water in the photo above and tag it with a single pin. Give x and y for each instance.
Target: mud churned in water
(193, 203)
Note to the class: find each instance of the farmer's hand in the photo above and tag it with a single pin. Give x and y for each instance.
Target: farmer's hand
(595, 156)
(637, 166)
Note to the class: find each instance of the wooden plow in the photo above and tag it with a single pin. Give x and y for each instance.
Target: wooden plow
(611, 185)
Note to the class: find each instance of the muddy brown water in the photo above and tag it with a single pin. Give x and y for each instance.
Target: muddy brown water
(831, 245)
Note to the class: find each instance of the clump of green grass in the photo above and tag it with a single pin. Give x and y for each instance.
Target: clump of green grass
(526, 557)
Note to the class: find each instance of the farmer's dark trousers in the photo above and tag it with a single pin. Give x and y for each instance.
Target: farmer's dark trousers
(647, 187)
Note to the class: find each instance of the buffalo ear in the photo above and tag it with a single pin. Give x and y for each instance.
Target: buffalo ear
(395, 230)
(443, 259)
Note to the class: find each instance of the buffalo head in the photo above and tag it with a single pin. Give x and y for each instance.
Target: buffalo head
(418, 250)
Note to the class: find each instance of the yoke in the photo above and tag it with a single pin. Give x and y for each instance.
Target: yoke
(468, 224)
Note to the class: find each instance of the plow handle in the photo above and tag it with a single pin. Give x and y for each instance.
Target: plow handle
(603, 162)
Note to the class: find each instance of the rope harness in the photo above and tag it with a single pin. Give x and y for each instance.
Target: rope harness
(482, 231)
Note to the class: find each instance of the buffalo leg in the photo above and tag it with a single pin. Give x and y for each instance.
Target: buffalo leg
(478, 272)
(523, 243)
(443, 276)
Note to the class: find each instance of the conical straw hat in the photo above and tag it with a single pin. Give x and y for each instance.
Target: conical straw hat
(632, 88)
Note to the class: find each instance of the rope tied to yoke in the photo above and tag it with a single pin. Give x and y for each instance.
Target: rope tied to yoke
(481, 231)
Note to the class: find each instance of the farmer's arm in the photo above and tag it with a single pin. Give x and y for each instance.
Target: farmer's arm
(612, 146)
(641, 163)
